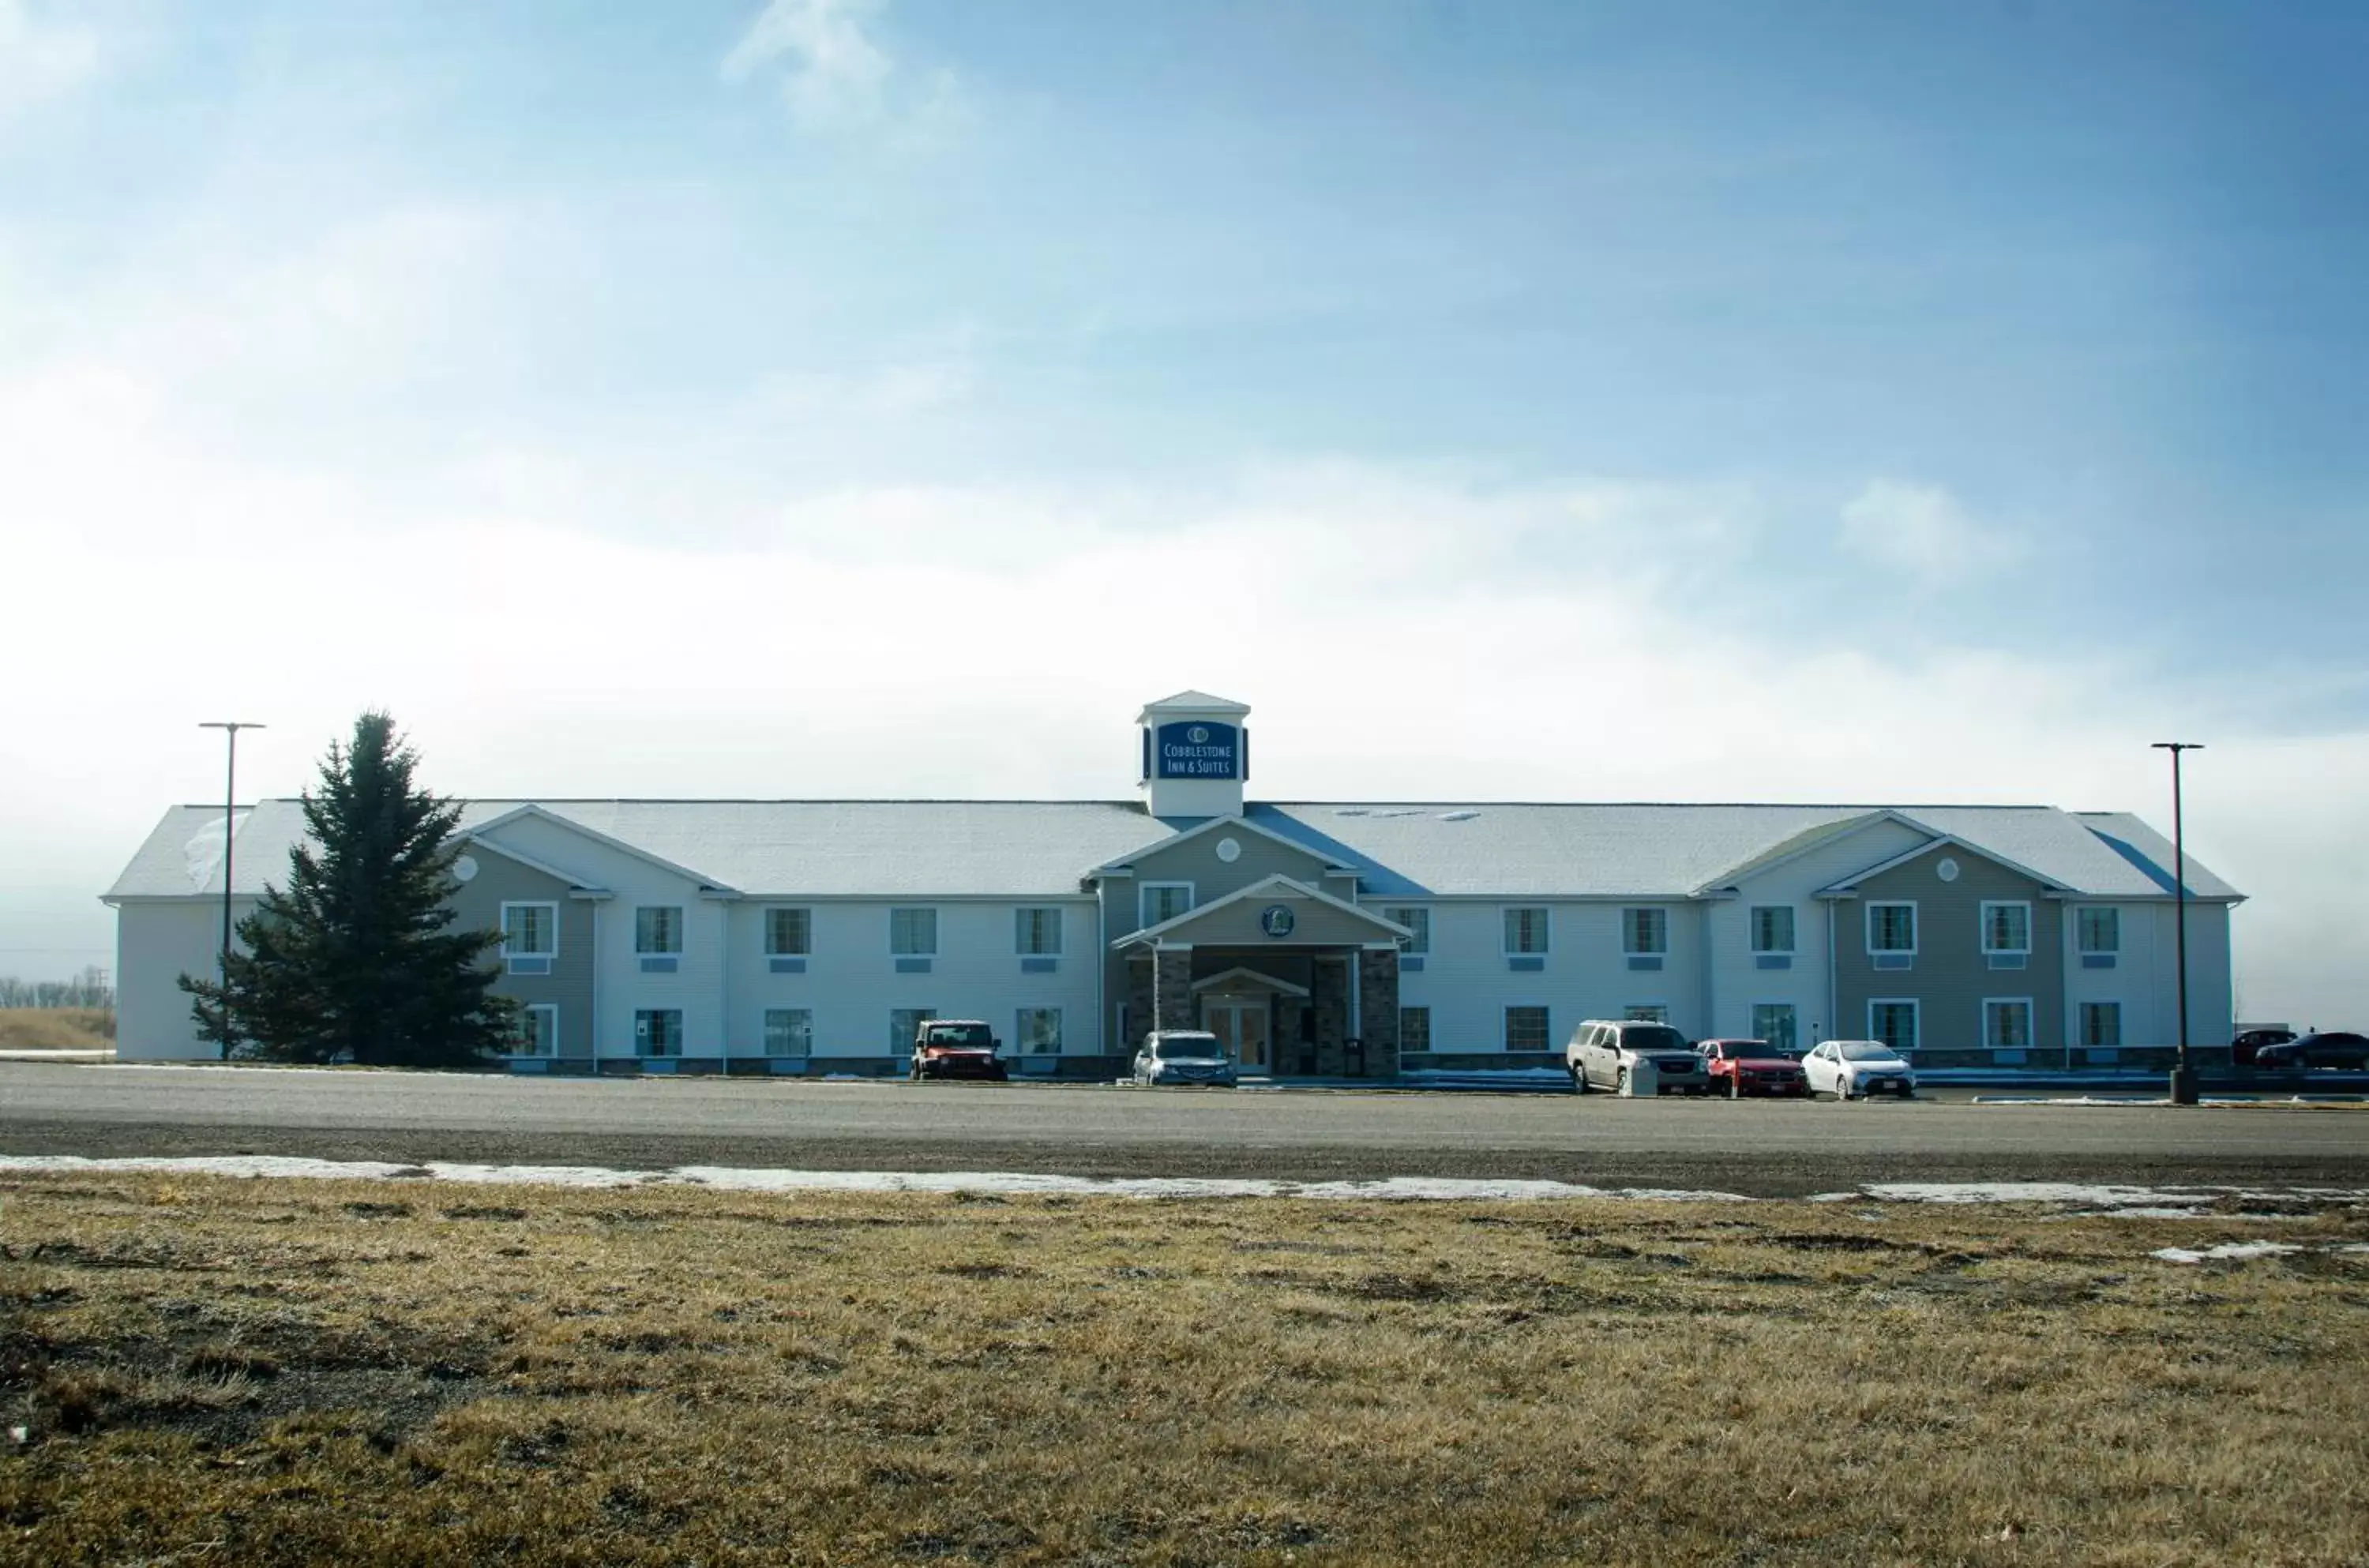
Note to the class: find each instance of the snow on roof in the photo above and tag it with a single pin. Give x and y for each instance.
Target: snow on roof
(1042, 849)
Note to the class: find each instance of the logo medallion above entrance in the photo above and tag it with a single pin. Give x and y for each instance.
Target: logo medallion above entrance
(1277, 920)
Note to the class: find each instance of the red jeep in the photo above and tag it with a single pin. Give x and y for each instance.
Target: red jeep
(954, 1048)
(1752, 1067)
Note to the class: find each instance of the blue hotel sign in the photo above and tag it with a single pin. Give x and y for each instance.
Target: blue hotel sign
(1196, 748)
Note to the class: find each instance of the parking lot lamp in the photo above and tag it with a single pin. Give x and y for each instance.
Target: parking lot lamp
(230, 822)
(2183, 1077)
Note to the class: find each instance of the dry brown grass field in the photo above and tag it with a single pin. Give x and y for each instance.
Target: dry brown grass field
(216, 1371)
(56, 1029)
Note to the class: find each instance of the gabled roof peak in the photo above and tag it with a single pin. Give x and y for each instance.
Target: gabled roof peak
(1189, 700)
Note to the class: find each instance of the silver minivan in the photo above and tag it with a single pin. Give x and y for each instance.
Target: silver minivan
(1602, 1051)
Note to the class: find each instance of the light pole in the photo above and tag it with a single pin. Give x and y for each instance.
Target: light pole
(230, 823)
(2183, 1077)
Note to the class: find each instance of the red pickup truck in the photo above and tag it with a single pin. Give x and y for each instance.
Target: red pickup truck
(1752, 1067)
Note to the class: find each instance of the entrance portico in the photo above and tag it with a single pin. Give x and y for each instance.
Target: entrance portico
(1295, 981)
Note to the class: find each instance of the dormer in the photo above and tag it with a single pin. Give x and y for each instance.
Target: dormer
(1196, 756)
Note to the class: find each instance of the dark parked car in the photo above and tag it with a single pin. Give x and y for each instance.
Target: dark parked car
(2242, 1048)
(2334, 1048)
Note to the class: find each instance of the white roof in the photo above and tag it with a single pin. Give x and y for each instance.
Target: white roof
(1043, 849)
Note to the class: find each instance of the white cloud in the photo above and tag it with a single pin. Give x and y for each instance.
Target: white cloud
(41, 58)
(832, 71)
(1922, 530)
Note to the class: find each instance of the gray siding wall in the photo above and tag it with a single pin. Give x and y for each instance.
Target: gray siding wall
(568, 987)
(1951, 977)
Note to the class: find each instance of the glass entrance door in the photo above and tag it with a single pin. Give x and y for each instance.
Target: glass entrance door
(1240, 1025)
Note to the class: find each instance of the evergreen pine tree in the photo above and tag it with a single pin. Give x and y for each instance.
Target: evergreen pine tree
(354, 956)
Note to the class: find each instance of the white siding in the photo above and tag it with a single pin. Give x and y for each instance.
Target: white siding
(154, 945)
(1738, 984)
(1467, 984)
(851, 983)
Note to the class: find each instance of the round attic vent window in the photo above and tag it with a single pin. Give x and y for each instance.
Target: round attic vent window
(1946, 869)
(464, 868)
(1229, 850)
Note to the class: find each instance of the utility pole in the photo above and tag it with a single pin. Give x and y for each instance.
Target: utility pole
(230, 826)
(2183, 1077)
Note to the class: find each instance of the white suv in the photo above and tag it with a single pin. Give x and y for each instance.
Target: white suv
(1601, 1052)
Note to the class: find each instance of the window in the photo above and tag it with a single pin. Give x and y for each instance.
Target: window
(1418, 921)
(1165, 901)
(658, 929)
(1414, 1028)
(1891, 928)
(789, 1031)
(530, 931)
(2006, 928)
(1037, 1031)
(1036, 933)
(1526, 929)
(1777, 1023)
(2102, 1021)
(1646, 1012)
(1526, 1028)
(1893, 1022)
(2006, 1024)
(912, 933)
(1644, 930)
(538, 1031)
(659, 1032)
(904, 1022)
(789, 933)
(1772, 928)
(2101, 930)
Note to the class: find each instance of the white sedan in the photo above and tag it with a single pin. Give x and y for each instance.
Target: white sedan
(1850, 1068)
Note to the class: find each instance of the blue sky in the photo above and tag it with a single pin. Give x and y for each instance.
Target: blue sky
(1829, 401)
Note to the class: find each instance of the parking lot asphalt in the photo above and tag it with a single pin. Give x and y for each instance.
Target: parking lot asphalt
(1773, 1148)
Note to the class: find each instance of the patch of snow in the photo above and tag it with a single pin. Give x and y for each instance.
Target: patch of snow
(2227, 1252)
(203, 853)
(1458, 816)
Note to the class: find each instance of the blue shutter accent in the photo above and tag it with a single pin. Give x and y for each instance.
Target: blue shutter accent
(1773, 961)
(912, 965)
(2008, 960)
(1638, 962)
(1410, 963)
(1896, 960)
(1039, 966)
(666, 966)
(2097, 960)
(1525, 966)
(786, 965)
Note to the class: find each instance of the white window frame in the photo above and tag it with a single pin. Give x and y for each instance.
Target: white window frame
(765, 1033)
(1420, 943)
(1752, 1015)
(1505, 1025)
(2031, 1022)
(900, 1039)
(1916, 929)
(642, 1040)
(2088, 1010)
(1657, 1011)
(550, 952)
(1021, 1045)
(2023, 904)
(673, 909)
(551, 1010)
(929, 910)
(1792, 927)
(1021, 925)
(1915, 1013)
(1661, 924)
(2081, 914)
(806, 951)
(1546, 930)
(1426, 1010)
(1143, 902)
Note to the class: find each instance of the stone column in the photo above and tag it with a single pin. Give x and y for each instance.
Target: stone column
(1140, 1013)
(1329, 996)
(1378, 1006)
(1171, 988)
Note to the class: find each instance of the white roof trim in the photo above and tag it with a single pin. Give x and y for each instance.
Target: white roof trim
(1192, 702)
(1125, 864)
(1243, 972)
(699, 877)
(1264, 888)
(1847, 885)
